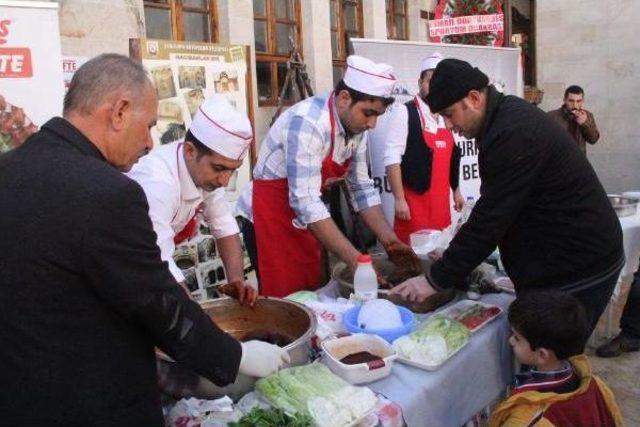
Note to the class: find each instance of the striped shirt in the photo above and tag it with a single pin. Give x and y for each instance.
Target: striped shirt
(564, 380)
(294, 149)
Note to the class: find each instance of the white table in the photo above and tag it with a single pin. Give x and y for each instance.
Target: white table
(470, 381)
(631, 243)
(464, 385)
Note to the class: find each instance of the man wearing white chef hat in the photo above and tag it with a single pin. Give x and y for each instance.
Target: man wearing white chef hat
(312, 145)
(422, 162)
(183, 179)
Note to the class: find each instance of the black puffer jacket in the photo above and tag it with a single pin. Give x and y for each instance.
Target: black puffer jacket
(540, 202)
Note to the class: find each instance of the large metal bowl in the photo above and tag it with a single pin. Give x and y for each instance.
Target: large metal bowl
(286, 318)
(344, 277)
(624, 206)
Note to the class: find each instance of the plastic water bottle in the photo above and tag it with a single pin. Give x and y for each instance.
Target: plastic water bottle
(365, 281)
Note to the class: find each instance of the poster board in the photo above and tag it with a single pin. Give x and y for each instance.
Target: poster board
(502, 65)
(31, 84)
(70, 65)
(185, 74)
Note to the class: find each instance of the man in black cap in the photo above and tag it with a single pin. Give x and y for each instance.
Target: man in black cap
(540, 200)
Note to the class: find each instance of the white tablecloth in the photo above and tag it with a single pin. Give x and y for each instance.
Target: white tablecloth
(471, 380)
(631, 241)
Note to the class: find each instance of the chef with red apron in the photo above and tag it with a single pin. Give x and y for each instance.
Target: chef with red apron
(185, 182)
(311, 146)
(422, 164)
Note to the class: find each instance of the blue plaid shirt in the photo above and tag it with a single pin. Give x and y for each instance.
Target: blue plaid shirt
(294, 149)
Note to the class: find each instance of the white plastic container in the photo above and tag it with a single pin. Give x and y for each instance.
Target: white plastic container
(424, 241)
(365, 281)
(359, 373)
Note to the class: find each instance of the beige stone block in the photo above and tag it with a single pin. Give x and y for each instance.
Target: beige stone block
(550, 5)
(622, 12)
(622, 69)
(91, 27)
(618, 171)
(235, 22)
(374, 18)
(553, 93)
(316, 35)
(417, 25)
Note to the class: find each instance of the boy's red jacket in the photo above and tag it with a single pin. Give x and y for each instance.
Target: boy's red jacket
(592, 404)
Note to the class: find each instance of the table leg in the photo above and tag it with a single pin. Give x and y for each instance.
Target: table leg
(608, 325)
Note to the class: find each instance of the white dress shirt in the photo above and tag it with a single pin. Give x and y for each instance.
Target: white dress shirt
(397, 122)
(173, 199)
(243, 204)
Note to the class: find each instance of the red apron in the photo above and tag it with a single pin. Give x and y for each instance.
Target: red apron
(430, 210)
(191, 228)
(288, 257)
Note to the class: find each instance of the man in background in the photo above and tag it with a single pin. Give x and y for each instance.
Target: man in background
(575, 119)
(422, 163)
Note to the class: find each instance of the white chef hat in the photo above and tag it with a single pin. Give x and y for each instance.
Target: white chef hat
(431, 62)
(223, 129)
(368, 77)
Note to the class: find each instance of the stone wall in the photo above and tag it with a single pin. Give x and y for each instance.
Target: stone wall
(91, 27)
(595, 44)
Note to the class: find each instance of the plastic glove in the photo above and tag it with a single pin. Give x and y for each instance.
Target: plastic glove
(261, 359)
(416, 289)
(242, 291)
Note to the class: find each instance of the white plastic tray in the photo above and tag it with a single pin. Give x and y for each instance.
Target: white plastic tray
(401, 358)
(452, 311)
(425, 366)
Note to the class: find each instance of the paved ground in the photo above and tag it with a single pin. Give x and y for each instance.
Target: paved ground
(622, 374)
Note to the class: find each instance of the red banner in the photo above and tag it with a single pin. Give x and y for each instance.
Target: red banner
(15, 62)
(473, 22)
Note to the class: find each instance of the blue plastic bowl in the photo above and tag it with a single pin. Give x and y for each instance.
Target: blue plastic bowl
(350, 322)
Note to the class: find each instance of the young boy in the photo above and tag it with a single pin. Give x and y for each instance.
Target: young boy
(549, 334)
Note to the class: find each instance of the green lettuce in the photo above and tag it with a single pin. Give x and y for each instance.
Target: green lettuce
(315, 391)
